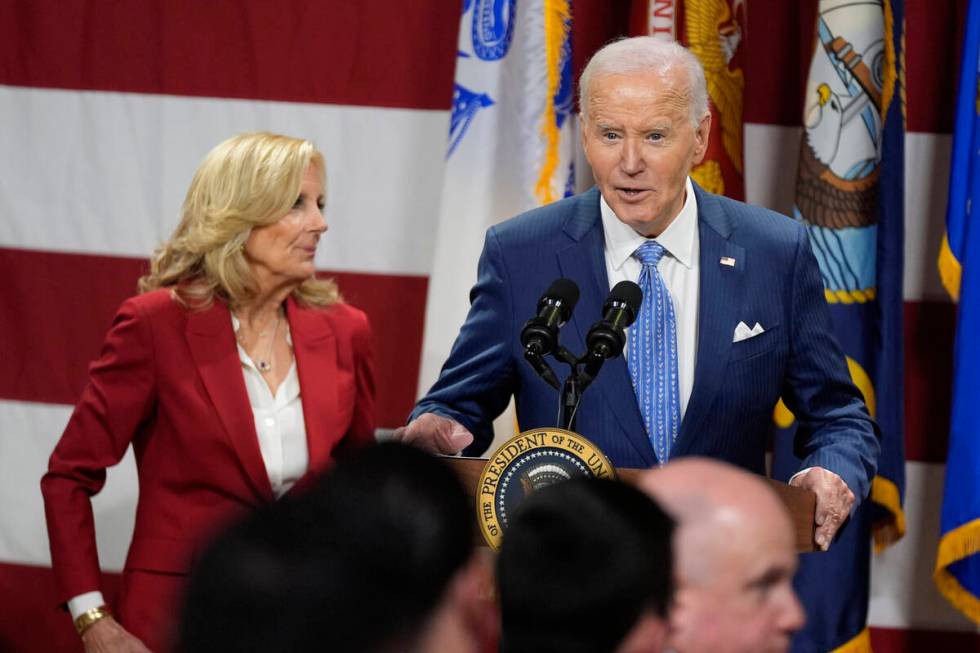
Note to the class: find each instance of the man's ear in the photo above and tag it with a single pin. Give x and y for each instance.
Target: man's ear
(474, 591)
(701, 138)
(647, 635)
(686, 616)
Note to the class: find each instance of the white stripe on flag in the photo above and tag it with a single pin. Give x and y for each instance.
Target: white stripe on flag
(29, 434)
(902, 592)
(105, 173)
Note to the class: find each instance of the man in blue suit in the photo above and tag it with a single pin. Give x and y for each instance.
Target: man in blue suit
(734, 296)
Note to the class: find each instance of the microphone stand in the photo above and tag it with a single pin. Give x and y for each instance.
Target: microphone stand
(582, 371)
(571, 392)
(604, 341)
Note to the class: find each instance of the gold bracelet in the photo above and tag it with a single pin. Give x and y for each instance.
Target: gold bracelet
(89, 617)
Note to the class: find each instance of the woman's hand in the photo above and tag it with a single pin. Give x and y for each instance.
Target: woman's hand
(108, 636)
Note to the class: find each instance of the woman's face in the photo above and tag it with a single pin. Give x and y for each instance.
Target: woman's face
(282, 253)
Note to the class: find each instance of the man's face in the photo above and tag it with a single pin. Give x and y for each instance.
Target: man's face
(640, 142)
(743, 602)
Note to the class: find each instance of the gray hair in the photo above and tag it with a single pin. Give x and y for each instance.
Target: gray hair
(646, 54)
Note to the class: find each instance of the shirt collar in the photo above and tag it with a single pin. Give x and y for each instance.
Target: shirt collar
(677, 238)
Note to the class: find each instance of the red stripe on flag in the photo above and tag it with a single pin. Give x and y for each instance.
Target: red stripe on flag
(595, 23)
(778, 47)
(373, 53)
(901, 640)
(934, 38)
(30, 621)
(55, 309)
(377, 53)
(396, 308)
(929, 329)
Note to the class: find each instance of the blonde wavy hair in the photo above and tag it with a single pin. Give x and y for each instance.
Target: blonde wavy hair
(250, 180)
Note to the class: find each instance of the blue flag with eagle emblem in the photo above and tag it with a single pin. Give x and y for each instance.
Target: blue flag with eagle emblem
(957, 572)
(850, 196)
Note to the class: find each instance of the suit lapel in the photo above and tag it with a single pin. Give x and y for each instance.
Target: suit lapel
(721, 294)
(211, 340)
(584, 262)
(315, 348)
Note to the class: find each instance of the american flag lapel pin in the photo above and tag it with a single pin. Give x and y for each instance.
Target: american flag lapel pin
(727, 260)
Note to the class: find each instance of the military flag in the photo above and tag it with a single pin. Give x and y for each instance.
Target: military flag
(849, 194)
(714, 31)
(511, 145)
(957, 572)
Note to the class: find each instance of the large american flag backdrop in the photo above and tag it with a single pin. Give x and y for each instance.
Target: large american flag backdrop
(106, 108)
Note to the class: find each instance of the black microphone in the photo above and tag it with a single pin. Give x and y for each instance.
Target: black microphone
(607, 336)
(540, 334)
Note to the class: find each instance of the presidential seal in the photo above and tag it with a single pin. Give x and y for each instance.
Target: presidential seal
(528, 462)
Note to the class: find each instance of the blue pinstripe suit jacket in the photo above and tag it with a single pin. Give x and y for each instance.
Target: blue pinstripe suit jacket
(775, 281)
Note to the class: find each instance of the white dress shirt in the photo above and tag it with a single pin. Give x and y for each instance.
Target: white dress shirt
(281, 432)
(679, 268)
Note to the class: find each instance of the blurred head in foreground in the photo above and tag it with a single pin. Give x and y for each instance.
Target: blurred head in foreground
(377, 556)
(585, 565)
(735, 559)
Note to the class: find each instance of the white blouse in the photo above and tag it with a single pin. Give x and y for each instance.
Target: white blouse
(278, 421)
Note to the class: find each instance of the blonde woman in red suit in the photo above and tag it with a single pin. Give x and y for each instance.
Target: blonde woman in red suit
(235, 375)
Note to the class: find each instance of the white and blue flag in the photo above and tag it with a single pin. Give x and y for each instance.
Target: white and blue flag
(511, 145)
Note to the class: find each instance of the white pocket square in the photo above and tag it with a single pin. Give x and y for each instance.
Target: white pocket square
(743, 332)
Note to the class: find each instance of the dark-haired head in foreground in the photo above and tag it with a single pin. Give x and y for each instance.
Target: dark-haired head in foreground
(585, 565)
(376, 557)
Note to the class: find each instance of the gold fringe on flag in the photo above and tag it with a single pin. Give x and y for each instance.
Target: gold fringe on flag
(950, 270)
(860, 643)
(556, 16)
(849, 296)
(887, 532)
(955, 545)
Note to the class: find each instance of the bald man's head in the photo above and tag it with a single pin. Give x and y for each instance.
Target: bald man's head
(734, 558)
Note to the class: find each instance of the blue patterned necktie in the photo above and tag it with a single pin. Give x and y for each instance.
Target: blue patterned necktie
(653, 354)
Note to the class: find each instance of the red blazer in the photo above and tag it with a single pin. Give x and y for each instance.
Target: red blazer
(169, 382)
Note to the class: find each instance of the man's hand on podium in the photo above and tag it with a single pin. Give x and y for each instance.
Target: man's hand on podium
(834, 501)
(435, 434)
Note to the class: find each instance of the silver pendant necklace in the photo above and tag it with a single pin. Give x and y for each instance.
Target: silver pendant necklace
(265, 364)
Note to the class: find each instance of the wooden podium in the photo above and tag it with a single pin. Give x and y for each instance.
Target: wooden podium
(800, 503)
